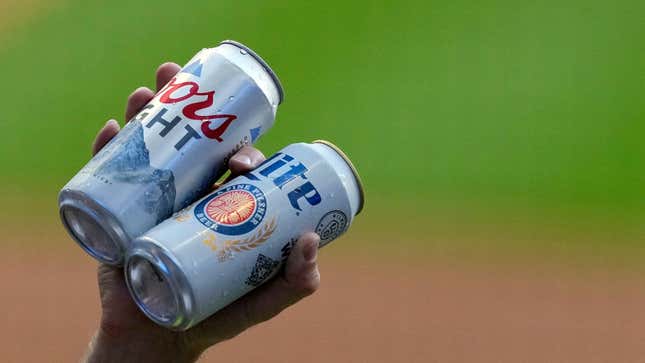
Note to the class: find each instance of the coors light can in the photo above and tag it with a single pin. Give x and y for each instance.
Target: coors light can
(170, 153)
(236, 238)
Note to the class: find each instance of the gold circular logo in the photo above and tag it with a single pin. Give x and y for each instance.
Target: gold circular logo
(232, 207)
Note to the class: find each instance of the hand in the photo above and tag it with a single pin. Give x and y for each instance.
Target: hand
(125, 334)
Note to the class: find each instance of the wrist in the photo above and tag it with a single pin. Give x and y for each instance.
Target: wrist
(118, 345)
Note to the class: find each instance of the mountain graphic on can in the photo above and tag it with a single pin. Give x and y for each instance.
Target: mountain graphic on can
(172, 151)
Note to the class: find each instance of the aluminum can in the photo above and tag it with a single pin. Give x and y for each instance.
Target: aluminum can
(172, 151)
(231, 241)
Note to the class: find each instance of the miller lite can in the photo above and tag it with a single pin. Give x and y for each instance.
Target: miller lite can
(234, 239)
(172, 151)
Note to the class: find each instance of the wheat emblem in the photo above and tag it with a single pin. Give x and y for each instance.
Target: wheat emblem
(238, 245)
(210, 241)
(182, 216)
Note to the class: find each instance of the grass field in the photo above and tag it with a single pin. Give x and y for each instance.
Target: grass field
(531, 108)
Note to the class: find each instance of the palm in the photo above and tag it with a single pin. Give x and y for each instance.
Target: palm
(120, 313)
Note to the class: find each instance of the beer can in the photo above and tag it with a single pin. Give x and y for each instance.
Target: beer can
(172, 151)
(231, 241)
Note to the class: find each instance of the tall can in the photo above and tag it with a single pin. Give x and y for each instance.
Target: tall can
(172, 151)
(236, 238)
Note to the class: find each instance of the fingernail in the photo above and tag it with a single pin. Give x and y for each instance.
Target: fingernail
(112, 121)
(310, 250)
(244, 159)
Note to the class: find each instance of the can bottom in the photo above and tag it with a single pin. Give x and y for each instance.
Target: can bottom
(151, 290)
(158, 285)
(92, 227)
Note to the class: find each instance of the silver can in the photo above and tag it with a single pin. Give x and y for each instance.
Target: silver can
(236, 238)
(170, 153)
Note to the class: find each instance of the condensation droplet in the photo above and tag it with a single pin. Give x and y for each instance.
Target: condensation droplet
(243, 52)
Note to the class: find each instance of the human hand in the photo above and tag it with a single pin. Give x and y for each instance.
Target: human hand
(125, 334)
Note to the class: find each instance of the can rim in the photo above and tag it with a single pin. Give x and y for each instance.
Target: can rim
(166, 264)
(91, 209)
(262, 62)
(361, 191)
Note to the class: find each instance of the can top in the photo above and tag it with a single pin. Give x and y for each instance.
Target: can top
(361, 192)
(262, 62)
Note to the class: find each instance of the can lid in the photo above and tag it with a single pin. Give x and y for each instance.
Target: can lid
(340, 152)
(262, 62)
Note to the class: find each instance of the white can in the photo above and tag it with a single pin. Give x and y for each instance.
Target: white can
(173, 151)
(231, 241)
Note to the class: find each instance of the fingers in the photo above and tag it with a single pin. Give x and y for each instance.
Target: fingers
(143, 95)
(136, 101)
(301, 272)
(106, 134)
(246, 159)
(300, 279)
(165, 72)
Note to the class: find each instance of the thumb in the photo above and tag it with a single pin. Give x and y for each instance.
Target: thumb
(299, 279)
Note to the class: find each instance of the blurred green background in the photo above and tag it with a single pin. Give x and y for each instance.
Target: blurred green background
(484, 123)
